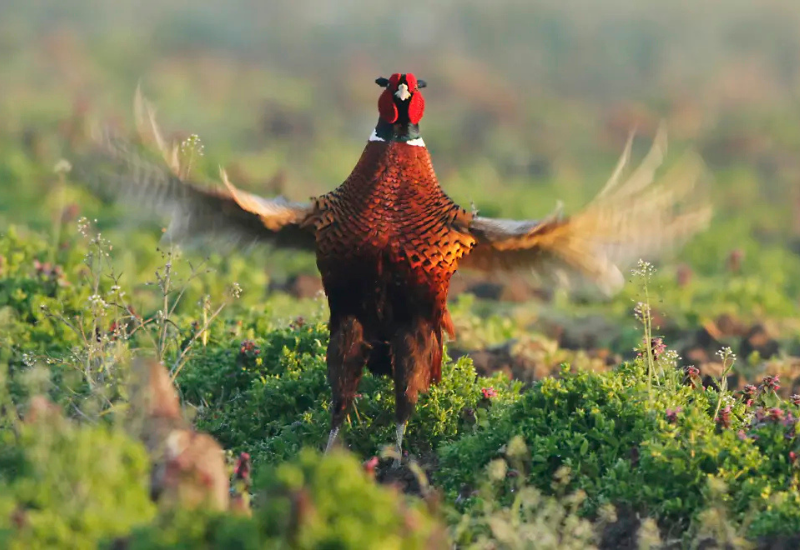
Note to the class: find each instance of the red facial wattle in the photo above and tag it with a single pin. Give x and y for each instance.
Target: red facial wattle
(416, 108)
(386, 105)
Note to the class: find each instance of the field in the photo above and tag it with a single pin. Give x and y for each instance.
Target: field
(663, 417)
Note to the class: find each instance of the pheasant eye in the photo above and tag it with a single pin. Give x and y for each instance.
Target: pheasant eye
(382, 82)
(421, 83)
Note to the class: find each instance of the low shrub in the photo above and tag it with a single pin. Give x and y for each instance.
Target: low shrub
(64, 484)
(651, 452)
(550, 465)
(310, 503)
(269, 396)
(70, 485)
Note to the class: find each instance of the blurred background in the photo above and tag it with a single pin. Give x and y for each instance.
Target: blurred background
(527, 103)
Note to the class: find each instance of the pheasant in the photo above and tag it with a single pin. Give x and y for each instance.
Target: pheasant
(388, 240)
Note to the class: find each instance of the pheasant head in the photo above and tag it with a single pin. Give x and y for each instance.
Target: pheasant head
(400, 107)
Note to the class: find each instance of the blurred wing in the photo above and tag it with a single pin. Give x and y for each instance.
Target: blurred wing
(631, 219)
(116, 169)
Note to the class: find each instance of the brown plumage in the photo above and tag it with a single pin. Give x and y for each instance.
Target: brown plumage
(389, 239)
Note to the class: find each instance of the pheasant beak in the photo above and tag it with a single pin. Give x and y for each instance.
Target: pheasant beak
(402, 92)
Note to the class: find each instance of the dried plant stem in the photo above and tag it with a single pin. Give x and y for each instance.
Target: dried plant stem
(181, 360)
(728, 360)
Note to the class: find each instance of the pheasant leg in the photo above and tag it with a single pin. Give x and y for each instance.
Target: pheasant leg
(332, 438)
(401, 430)
(347, 355)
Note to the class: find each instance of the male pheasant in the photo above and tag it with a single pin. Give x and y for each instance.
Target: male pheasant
(388, 239)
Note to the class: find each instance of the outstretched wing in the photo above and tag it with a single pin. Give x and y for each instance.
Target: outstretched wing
(119, 170)
(631, 219)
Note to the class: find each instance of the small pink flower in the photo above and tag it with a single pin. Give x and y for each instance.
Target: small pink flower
(672, 414)
(724, 417)
(771, 383)
(776, 414)
(243, 467)
(299, 322)
(795, 399)
(248, 346)
(741, 435)
(488, 393)
(370, 465)
(47, 270)
(693, 373)
(658, 346)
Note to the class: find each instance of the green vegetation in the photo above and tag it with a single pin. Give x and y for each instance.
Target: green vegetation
(559, 423)
(270, 397)
(66, 484)
(579, 454)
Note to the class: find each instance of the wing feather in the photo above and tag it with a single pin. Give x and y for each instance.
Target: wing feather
(631, 219)
(117, 169)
